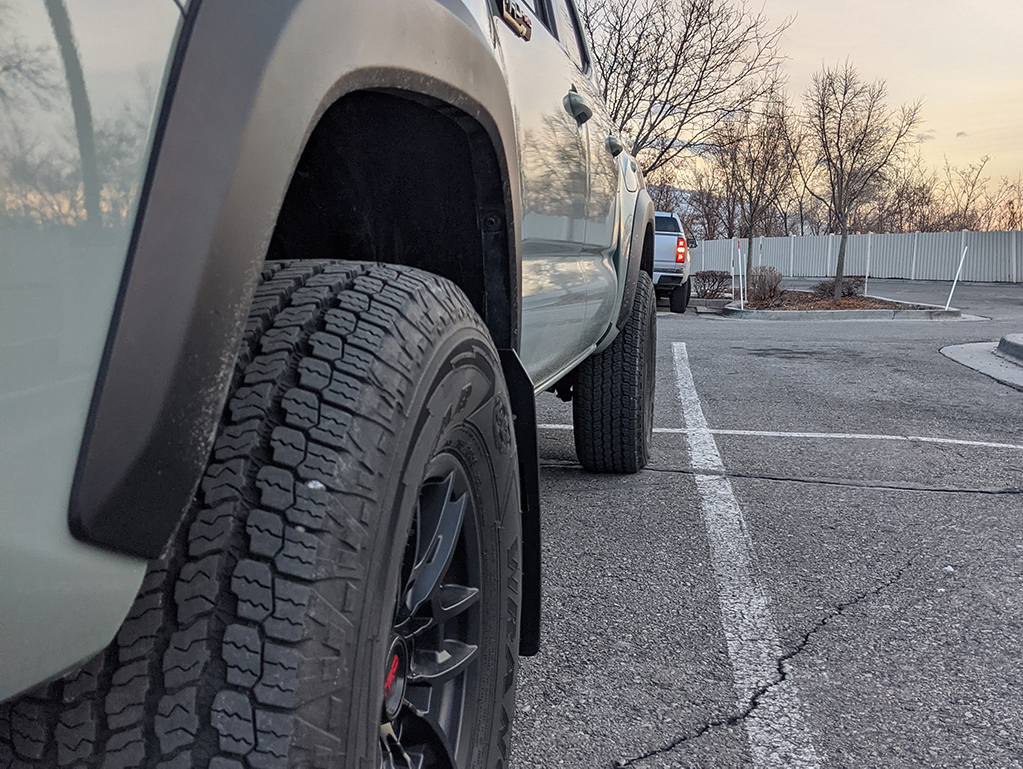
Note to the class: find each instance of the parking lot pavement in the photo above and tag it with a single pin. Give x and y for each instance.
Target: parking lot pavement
(890, 569)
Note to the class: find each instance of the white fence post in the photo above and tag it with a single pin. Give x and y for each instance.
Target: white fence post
(792, 255)
(962, 246)
(1013, 269)
(741, 269)
(866, 275)
(912, 269)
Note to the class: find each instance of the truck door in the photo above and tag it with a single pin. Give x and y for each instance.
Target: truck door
(604, 210)
(553, 170)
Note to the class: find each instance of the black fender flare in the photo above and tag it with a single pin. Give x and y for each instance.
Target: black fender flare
(642, 223)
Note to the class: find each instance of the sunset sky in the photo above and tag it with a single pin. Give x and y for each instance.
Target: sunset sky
(965, 60)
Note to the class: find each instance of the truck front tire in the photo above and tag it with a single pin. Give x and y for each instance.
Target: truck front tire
(613, 400)
(345, 589)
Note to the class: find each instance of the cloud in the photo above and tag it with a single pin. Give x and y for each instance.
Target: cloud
(962, 135)
(926, 137)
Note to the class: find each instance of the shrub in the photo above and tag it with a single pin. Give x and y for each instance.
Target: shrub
(852, 285)
(763, 284)
(711, 284)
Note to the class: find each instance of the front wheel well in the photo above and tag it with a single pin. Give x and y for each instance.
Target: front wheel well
(402, 178)
(395, 177)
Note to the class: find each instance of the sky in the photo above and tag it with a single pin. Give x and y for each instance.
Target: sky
(964, 60)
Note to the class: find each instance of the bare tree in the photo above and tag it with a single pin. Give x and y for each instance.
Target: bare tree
(852, 138)
(755, 156)
(675, 69)
(43, 174)
(704, 202)
(663, 184)
(800, 212)
(910, 200)
(964, 193)
(121, 143)
(715, 208)
(61, 23)
(25, 71)
(40, 186)
(1008, 209)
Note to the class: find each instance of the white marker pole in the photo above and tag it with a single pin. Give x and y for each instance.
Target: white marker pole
(745, 278)
(742, 271)
(745, 285)
(731, 266)
(745, 281)
(958, 273)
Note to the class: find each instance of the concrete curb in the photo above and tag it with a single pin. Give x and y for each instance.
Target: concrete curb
(985, 358)
(733, 311)
(899, 301)
(1011, 346)
(711, 303)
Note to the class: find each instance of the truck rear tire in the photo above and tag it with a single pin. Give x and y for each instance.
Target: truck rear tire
(613, 400)
(345, 589)
(679, 298)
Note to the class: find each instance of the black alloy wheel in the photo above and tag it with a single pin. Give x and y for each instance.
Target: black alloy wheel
(432, 666)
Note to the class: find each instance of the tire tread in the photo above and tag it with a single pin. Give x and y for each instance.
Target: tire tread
(609, 395)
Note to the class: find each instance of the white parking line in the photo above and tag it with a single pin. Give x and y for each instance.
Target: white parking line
(777, 733)
(863, 437)
(827, 436)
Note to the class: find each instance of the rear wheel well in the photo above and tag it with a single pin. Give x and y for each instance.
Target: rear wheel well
(646, 264)
(403, 179)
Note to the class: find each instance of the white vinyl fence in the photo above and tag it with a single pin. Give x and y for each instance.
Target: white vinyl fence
(994, 257)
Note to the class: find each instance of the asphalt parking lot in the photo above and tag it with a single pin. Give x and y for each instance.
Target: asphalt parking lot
(821, 567)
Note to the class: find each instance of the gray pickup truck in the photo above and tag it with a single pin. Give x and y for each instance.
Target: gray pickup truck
(279, 282)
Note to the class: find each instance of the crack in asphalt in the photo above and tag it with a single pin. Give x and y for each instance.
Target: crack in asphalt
(847, 482)
(737, 719)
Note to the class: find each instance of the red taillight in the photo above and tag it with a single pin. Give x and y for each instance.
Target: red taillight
(680, 251)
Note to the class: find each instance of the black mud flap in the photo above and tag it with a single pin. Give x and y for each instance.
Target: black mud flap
(523, 404)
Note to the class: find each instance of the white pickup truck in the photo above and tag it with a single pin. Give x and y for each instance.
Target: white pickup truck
(260, 506)
(671, 260)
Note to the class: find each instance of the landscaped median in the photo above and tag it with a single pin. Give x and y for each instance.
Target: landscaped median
(765, 299)
(903, 312)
